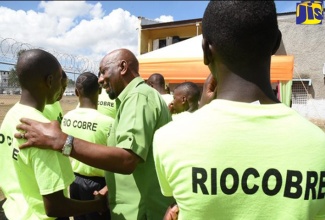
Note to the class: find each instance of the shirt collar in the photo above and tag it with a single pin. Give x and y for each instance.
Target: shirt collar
(133, 84)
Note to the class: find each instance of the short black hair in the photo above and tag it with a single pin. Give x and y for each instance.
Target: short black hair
(34, 65)
(87, 84)
(241, 31)
(157, 79)
(191, 90)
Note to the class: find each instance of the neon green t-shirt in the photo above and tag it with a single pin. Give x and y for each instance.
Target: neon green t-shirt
(106, 105)
(141, 111)
(89, 125)
(26, 175)
(53, 111)
(232, 160)
(180, 115)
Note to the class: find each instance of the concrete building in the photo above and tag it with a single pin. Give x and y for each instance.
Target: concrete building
(305, 42)
(154, 35)
(4, 75)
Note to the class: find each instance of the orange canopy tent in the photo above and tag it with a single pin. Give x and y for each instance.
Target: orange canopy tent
(183, 61)
(177, 70)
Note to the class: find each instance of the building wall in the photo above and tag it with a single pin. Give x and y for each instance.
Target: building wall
(307, 44)
(4, 75)
(148, 35)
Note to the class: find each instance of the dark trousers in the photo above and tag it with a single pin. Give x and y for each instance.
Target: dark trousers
(82, 189)
(2, 213)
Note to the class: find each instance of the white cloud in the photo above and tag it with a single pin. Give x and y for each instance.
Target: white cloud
(99, 36)
(165, 18)
(70, 9)
(97, 11)
(77, 28)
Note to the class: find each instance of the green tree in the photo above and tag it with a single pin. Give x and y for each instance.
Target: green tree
(71, 83)
(13, 78)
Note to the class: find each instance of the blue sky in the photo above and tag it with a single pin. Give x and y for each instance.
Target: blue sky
(180, 10)
(90, 29)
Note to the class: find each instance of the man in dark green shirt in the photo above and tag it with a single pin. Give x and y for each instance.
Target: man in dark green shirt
(140, 112)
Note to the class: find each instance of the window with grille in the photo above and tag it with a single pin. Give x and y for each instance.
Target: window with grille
(300, 88)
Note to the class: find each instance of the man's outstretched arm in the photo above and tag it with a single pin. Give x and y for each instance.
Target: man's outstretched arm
(50, 136)
(57, 205)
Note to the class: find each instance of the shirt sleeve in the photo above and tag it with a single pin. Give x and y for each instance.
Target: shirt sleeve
(53, 171)
(137, 125)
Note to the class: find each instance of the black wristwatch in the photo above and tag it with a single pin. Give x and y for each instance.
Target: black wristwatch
(67, 148)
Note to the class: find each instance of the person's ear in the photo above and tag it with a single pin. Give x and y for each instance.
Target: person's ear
(49, 81)
(123, 66)
(278, 42)
(207, 55)
(76, 92)
(184, 100)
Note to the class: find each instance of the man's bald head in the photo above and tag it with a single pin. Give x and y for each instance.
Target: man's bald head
(157, 81)
(190, 90)
(123, 55)
(117, 69)
(34, 65)
(186, 97)
(157, 78)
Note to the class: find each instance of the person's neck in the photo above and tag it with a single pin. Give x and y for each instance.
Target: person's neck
(233, 87)
(193, 108)
(88, 103)
(32, 100)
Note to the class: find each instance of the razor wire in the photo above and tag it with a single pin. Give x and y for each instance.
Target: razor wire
(71, 63)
